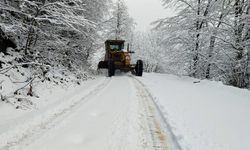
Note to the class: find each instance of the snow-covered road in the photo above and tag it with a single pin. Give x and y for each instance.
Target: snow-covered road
(116, 114)
(153, 112)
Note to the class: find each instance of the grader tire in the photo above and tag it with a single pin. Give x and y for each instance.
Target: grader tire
(111, 69)
(139, 68)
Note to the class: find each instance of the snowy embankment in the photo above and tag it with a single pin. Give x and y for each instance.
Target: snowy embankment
(203, 115)
(53, 101)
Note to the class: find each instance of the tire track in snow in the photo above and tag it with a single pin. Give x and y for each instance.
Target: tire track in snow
(34, 129)
(125, 126)
(161, 133)
(158, 140)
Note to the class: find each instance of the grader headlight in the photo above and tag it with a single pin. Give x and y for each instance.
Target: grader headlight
(127, 58)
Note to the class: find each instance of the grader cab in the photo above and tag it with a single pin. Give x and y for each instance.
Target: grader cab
(116, 57)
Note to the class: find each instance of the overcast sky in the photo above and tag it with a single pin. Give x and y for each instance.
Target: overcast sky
(146, 11)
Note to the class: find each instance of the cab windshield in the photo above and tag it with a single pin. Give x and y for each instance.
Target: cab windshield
(117, 47)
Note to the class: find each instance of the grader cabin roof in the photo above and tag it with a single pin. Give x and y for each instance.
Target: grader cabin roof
(115, 41)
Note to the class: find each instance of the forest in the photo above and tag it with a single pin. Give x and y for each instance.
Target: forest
(209, 39)
(205, 39)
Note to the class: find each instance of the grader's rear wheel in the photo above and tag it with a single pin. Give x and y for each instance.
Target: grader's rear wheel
(139, 68)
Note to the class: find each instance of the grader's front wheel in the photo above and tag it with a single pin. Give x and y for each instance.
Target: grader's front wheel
(111, 68)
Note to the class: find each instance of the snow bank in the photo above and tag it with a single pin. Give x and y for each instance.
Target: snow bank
(203, 115)
(15, 124)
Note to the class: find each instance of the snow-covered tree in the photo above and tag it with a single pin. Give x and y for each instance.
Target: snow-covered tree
(120, 25)
(148, 48)
(35, 15)
(211, 38)
(240, 44)
(63, 29)
(53, 38)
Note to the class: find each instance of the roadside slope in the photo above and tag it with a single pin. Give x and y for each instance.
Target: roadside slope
(16, 125)
(202, 115)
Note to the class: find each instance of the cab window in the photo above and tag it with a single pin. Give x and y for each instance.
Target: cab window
(118, 47)
(114, 47)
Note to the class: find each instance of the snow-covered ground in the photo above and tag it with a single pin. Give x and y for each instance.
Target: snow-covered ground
(203, 115)
(15, 124)
(106, 113)
(153, 112)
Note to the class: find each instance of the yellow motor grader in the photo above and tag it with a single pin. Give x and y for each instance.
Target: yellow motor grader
(118, 58)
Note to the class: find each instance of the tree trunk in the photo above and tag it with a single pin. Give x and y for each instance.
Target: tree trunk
(210, 55)
(118, 23)
(247, 38)
(199, 25)
(197, 42)
(30, 39)
(2, 37)
(32, 35)
(239, 66)
(248, 68)
(211, 47)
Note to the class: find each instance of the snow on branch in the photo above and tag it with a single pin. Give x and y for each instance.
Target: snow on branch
(6, 69)
(59, 13)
